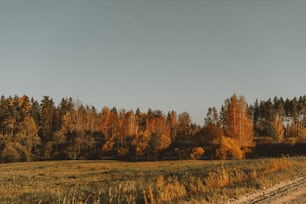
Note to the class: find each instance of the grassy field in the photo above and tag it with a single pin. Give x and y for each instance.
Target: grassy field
(141, 182)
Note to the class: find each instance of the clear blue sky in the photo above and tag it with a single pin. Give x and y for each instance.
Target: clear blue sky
(164, 54)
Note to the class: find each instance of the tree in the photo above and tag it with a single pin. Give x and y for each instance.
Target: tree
(153, 146)
(209, 135)
(130, 126)
(92, 120)
(28, 134)
(212, 117)
(105, 122)
(35, 111)
(6, 117)
(184, 130)
(278, 128)
(24, 106)
(238, 124)
(46, 126)
(141, 142)
(47, 110)
(172, 122)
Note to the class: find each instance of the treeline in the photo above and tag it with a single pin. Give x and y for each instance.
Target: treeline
(32, 130)
(280, 120)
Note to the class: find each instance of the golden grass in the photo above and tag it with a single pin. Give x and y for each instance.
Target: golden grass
(140, 182)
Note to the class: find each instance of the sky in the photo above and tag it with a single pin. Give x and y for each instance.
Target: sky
(164, 54)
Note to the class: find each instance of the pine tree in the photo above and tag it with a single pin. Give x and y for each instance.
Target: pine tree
(212, 117)
(46, 119)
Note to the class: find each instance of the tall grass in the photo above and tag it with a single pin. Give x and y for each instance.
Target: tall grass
(279, 163)
(151, 182)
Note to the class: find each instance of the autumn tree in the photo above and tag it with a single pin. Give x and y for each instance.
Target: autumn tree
(32, 130)
(184, 130)
(130, 124)
(209, 136)
(105, 122)
(238, 122)
(278, 129)
(211, 132)
(27, 137)
(19, 137)
(109, 126)
(172, 123)
(158, 134)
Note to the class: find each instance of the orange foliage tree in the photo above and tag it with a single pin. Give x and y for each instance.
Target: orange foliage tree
(238, 123)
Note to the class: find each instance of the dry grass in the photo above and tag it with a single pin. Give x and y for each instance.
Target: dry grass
(141, 182)
(280, 163)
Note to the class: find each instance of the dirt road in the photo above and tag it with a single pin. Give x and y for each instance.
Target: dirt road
(293, 191)
(297, 197)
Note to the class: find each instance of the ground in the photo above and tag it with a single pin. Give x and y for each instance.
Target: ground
(144, 182)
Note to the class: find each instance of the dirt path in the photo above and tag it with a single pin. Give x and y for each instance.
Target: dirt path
(297, 197)
(293, 191)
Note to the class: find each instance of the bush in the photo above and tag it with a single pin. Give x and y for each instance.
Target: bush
(9, 153)
(123, 153)
(217, 179)
(165, 191)
(228, 149)
(197, 152)
(279, 163)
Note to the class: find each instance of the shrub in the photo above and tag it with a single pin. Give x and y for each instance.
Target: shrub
(164, 191)
(278, 164)
(123, 153)
(217, 179)
(197, 152)
(9, 153)
(195, 185)
(228, 149)
(108, 146)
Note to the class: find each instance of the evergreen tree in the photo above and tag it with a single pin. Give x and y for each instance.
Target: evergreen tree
(47, 110)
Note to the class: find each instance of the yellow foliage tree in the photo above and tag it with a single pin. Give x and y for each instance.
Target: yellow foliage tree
(140, 142)
(278, 127)
(238, 123)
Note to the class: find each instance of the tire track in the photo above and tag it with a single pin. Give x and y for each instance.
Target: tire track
(268, 195)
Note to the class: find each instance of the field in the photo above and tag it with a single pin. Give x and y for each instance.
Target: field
(142, 182)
